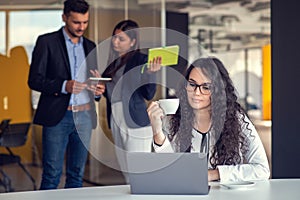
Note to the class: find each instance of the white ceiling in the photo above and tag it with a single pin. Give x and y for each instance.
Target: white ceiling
(29, 2)
(178, 3)
(252, 26)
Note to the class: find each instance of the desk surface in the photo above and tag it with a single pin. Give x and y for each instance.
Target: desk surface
(275, 189)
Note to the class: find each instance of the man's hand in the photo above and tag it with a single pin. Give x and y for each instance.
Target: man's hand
(98, 88)
(75, 87)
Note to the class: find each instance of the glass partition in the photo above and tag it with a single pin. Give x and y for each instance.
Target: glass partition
(2, 33)
(234, 31)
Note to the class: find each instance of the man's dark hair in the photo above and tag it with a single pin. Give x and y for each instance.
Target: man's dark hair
(79, 6)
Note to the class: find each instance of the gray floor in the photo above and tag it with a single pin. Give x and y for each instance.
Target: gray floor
(20, 182)
(96, 174)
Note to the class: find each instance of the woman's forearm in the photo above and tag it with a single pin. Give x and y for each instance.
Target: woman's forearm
(159, 138)
(213, 175)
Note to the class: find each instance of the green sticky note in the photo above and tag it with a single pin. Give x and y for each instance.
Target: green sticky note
(168, 54)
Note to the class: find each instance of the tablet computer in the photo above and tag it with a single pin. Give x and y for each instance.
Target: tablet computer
(96, 80)
(169, 54)
(99, 79)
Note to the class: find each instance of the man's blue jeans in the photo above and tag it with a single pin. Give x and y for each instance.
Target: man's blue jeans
(70, 138)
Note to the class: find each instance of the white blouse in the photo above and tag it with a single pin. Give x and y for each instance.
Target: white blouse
(255, 165)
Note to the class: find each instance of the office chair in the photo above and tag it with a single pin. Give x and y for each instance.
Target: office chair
(12, 135)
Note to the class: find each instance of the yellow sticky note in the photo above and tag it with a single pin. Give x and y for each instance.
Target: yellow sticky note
(168, 54)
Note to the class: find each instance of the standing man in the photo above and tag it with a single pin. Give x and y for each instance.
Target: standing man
(59, 69)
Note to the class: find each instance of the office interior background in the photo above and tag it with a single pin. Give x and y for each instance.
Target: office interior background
(236, 31)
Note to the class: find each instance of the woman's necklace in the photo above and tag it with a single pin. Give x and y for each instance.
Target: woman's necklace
(200, 129)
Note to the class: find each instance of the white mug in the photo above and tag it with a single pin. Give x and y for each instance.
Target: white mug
(169, 106)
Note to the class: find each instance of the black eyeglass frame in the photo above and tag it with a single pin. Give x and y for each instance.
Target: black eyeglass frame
(195, 86)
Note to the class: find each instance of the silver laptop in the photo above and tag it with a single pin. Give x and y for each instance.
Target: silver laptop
(168, 173)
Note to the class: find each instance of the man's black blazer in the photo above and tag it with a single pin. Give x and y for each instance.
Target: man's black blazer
(49, 68)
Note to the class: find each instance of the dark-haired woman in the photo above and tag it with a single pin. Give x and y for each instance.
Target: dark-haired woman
(211, 120)
(128, 91)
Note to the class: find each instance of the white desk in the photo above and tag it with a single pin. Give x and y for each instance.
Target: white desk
(276, 189)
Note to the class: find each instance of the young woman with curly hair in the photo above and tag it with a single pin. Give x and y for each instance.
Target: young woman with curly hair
(209, 119)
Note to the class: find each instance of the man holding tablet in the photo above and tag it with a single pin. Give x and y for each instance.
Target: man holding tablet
(56, 71)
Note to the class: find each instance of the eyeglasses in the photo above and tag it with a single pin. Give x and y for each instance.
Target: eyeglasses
(205, 88)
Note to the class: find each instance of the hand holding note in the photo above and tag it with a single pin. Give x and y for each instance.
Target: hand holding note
(168, 54)
(161, 56)
(154, 65)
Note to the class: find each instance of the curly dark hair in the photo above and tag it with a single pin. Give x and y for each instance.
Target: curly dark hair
(226, 113)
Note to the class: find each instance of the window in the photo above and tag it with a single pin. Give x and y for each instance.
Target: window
(26, 26)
